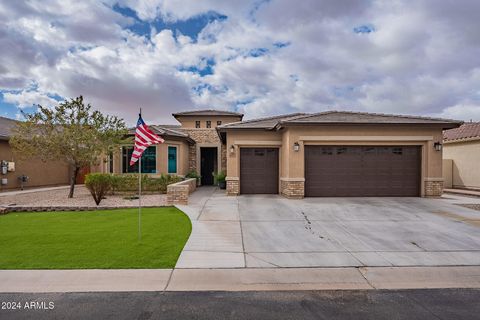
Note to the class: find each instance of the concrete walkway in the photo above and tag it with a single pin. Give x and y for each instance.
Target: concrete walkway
(471, 193)
(245, 279)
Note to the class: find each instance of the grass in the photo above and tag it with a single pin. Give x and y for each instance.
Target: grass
(103, 239)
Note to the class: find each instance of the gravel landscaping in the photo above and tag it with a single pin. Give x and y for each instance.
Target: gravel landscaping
(82, 198)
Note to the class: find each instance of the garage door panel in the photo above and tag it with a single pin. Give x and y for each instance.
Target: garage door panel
(258, 170)
(362, 170)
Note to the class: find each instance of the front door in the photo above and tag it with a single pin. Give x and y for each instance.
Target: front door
(208, 165)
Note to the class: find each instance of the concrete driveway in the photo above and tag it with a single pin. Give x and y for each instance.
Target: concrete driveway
(263, 231)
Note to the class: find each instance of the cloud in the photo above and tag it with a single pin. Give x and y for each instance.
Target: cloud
(265, 57)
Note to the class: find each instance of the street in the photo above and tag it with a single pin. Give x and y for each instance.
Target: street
(361, 304)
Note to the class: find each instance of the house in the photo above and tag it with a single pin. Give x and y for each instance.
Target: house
(461, 154)
(193, 145)
(332, 153)
(39, 173)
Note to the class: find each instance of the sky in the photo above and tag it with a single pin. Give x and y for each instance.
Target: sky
(258, 57)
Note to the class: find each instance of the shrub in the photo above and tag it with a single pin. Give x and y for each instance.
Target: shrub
(194, 174)
(219, 177)
(128, 183)
(98, 184)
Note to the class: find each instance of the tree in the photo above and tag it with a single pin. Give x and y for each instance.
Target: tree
(71, 132)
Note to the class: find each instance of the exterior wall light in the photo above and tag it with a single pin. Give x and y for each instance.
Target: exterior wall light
(296, 147)
(232, 149)
(437, 146)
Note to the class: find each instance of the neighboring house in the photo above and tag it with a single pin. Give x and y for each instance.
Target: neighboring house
(333, 153)
(40, 173)
(194, 145)
(461, 154)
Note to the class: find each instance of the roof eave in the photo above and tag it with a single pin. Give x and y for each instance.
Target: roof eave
(444, 125)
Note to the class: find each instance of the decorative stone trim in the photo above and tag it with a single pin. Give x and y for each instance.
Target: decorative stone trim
(433, 187)
(177, 193)
(5, 210)
(292, 188)
(233, 186)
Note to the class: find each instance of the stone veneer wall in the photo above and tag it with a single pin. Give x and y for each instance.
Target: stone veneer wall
(177, 193)
(292, 189)
(433, 188)
(233, 187)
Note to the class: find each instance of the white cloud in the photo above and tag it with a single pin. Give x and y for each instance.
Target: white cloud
(422, 57)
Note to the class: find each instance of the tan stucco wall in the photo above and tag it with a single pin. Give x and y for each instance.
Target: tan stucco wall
(447, 173)
(292, 163)
(188, 122)
(162, 159)
(40, 173)
(466, 163)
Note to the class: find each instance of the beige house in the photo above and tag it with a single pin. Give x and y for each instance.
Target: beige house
(461, 154)
(193, 145)
(336, 153)
(39, 173)
(333, 153)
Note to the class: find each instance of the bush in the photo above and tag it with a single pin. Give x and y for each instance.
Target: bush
(219, 177)
(128, 183)
(193, 174)
(98, 184)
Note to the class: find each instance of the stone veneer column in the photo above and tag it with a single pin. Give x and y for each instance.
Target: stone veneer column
(433, 187)
(292, 188)
(233, 186)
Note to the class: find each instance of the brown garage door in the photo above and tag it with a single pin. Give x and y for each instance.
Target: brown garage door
(349, 171)
(258, 170)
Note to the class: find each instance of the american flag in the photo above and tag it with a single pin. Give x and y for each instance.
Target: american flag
(144, 137)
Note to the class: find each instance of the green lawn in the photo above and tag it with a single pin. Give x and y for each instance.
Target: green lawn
(100, 239)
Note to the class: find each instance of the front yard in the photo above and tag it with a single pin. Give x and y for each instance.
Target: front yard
(103, 239)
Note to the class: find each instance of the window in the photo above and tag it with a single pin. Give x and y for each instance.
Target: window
(219, 123)
(110, 162)
(197, 124)
(209, 124)
(172, 159)
(149, 160)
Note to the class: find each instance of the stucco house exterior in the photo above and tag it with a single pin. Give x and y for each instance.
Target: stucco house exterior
(336, 153)
(332, 153)
(461, 154)
(193, 145)
(40, 173)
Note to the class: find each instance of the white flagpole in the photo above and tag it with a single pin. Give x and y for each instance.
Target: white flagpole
(140, 194)
(140, 199)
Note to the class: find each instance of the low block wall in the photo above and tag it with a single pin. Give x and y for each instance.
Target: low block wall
(177, 193)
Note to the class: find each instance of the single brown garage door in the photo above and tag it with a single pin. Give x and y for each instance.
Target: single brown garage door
(258, 170)
(351, 171)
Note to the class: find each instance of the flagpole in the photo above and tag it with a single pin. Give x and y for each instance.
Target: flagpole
(140, 194)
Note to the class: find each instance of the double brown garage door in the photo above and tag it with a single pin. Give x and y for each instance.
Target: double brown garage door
(335, 171)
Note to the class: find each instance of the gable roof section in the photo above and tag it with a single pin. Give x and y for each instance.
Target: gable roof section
(467, 131)
(6, 125)
(208, 112)
(336, 117)
(349, 117)
(166, 132)
(260, 123)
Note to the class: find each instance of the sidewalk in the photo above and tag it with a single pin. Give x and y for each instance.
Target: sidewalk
(32, 190)
(238, 279)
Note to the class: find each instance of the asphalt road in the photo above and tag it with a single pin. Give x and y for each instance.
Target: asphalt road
(370, 304)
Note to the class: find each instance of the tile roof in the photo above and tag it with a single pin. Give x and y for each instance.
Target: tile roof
(338, 117)
(467, 131)
(261, 123)
(208, 112)
(365, 117)
(6, 125)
